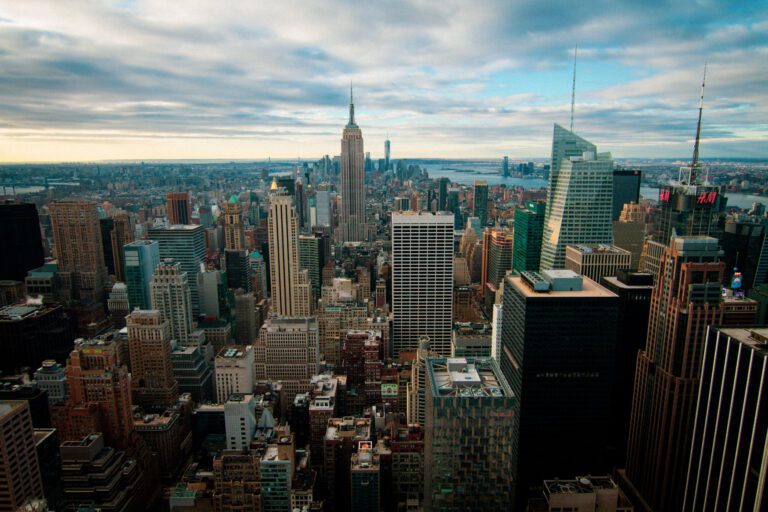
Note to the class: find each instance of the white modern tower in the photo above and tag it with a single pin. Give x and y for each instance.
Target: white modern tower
(579, 199)
(422, 280)
(171, 295)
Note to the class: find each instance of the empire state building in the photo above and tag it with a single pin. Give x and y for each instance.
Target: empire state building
(352, 226)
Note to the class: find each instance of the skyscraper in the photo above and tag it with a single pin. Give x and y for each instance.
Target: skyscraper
(352, 222)
(284, 255)
(727, 467)
(78, 248)
(149, 346)
(529, 226)
(505, 167)
(480, 202)
(387, 154)
(422, 280)
(23, 245)
(122, 234)
(470, 456)
(323, 203)
(172, 297)
(178, 208)
(686, 298)
(558, 343)
(309, 260)
(141, 259)
(234, 236)
(442, 194)
(186, 244)
(19, 469)
(626, 189)
(580, 198)
(596, 261)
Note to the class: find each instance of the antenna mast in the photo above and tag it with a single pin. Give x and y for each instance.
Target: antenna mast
(573, 89)
(695, 159)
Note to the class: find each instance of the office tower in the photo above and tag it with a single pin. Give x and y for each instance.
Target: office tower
(301, 204)
(470, 436)
(258, 275)
(687, 210)
(99, 394)
(92, 471)
(149, 345)
(240, 420)
(417, 386)
(361, 363)
(78, 249)
(629, 231)
(454, 206)
(558, 344)
(323, 203)
(141, 259)
(505, 167)
(422, 280)
(122, 234)
(634, 291)
(529, 226)
(744, 248)
(206, 216)
(287, 351)
(343, 437)
(212, 289)
(234, 371)
(336, 317)
(237, 483)
(192, 372)
(626, 189)
(178, 208)
(118, 305)
(238, 269)
(407, 444)
(687, 298)
(387, 149)
(471, 340)
(50, 377)
(234, 236)
(352, 222)
(283, 255)
(20, 230)
(166, 432)
(580, 198)
(365, 479)
(309, 260)
(49, 462)
(106, 228)
(322, 407)
(276, 471)
(497, 257)
(401, 204)
(245, 308)
(442, 196)
(186, 244)
(171, 296)
(32, 332)
(583, 494)
(596, 261)
(19, 470)
(727, 469)
(480, 202)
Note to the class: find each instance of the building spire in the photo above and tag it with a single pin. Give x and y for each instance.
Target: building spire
(695, 159)
(351, 106)
(573, 88)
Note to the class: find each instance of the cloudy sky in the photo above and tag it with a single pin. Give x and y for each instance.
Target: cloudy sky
(151, 79)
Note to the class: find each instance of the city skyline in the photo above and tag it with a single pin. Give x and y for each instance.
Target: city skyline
(139, 80)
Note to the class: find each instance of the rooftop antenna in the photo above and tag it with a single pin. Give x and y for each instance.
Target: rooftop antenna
(573, 89)
(695, 159)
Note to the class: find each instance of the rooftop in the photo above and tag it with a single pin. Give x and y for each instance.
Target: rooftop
(754, 337)
(598, 248)
(589, 288)
(234, 352)
(467, 378)
(348, 427)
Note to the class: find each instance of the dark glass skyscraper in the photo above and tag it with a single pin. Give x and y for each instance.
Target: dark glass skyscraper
(626, 189)
(23, 245)
(529, 226)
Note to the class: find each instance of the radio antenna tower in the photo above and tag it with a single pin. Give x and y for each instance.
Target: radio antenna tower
(695, 159)
(573, 89)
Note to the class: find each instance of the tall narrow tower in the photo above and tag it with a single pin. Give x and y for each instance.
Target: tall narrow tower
(171, 296)
(283, 254)
(352, 218)
(234, 236)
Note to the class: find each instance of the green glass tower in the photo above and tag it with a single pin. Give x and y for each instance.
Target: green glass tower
(529, 226)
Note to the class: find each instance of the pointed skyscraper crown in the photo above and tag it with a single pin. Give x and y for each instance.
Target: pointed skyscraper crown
(351, 123)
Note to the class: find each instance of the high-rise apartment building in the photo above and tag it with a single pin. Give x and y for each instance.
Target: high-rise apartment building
(596, 261)
(470, 436)
(78, 249)
(186, 244)
(234, 236)
(141, 259)
(172, 297)
(352, 221)
(284, 256)
(529, 227)
(178, 208)
(19, 470)
(422, 280)
(727, 469)
(580, 198)
(149, 346)
(480, 201)
(287, 351)
(686, 299)
(626, 189)
(557, 352)
(20, 233)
